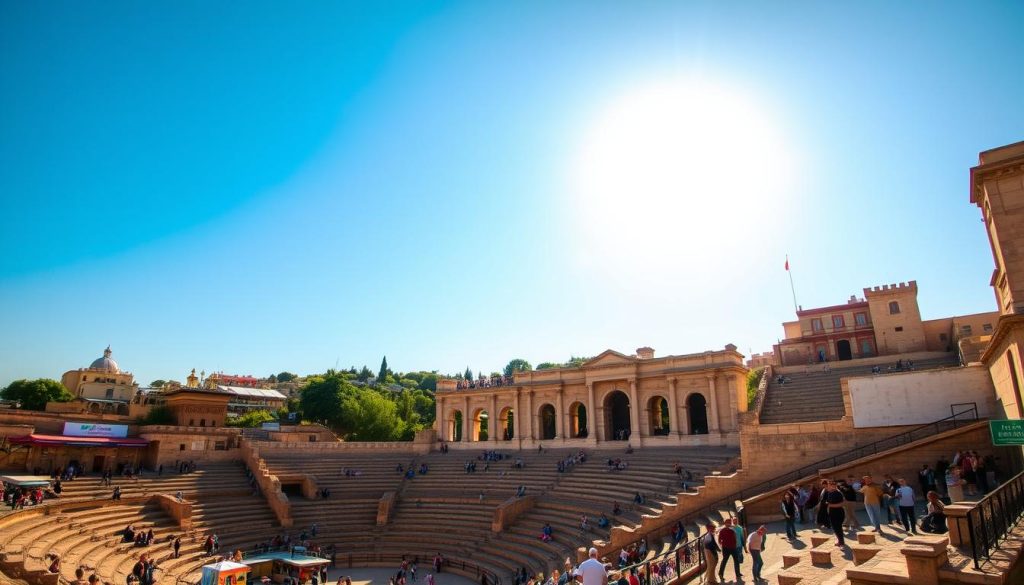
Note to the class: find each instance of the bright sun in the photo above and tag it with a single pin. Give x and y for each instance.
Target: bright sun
(675, 172)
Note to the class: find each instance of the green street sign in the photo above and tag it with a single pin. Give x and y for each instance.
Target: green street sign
(1007, 432)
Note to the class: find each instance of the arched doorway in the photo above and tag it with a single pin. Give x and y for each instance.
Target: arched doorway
(843, 350)
(658, 415)
(455, 427)
(698, 408)
(481, 425)
(577, 420)
(547, 422)
(507, 420)
(616, 423)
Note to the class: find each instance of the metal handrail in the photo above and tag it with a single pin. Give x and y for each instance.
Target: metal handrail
(685, 557)
(994, 516)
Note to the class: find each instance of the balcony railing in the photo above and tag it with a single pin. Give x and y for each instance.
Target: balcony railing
(992, 518)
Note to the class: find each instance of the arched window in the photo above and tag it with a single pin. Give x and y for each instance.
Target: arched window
(894, 308)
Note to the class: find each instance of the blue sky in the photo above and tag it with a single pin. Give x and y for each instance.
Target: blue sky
(255, 188)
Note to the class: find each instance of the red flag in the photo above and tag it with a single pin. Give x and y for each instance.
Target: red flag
(787, 264)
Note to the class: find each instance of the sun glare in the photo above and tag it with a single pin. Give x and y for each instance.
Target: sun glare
(677, 172)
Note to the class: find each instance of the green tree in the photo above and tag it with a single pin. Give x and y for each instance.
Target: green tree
(157, 383)
(429, 381)
(34, 394)
(253, 418)
(375, 418)
(384, 371)
(575, 362)
(286, 377)
(517, 365)
(364, 374)
(324, 399)
(468, 375)
(548, 366)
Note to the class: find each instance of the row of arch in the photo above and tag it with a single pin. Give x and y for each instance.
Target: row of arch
(617, 424)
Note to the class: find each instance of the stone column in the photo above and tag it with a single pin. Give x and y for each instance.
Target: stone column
(712, 406)
(741, 393)
(493, 425)
(634, 415)
(673, 412)
(517, 418)
(591, 412)
(560, 415)
(442, 424)
(467, 423)
(529, 413)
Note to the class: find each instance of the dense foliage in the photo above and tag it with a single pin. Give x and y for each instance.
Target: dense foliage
(753, 380)
(253, 418)
(34, 394)
(392, 409)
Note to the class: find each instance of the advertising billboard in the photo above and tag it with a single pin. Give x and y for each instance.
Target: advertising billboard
(74, 429)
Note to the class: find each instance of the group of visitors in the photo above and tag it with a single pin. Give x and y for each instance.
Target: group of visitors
(731, 542)
(617, 464)
(833, 503)
(484, 382)
(17, 497)
(350, 472)
(142, 571)
(140, 537)
(571, 461)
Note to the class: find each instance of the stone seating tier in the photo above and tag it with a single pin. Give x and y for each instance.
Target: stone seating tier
(817, 396)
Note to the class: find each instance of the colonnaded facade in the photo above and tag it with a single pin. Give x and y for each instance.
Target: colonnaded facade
(690, 399)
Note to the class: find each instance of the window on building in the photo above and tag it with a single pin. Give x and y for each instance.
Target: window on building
(109, 393)
(220, 446)
(202, 422)
(966, 329)
(181, 447)
(865, 348)
(191, 422)
(894, 308)
(837, 321)
(816, 325)
(987, 327)
(898, 329)
(861, 318)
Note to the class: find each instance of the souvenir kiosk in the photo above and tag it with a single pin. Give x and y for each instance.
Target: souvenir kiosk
(285, 567)
(224, 573)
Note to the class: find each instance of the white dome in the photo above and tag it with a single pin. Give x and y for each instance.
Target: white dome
(105, 363)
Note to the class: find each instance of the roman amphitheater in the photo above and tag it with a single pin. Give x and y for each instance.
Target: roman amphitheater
(651, 444)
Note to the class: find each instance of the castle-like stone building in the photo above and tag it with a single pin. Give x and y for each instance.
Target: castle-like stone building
(674, 400)
(885, 321)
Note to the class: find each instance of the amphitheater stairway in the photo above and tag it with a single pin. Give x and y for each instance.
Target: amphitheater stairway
(815, 395)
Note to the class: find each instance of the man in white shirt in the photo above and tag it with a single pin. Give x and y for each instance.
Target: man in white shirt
(592, 571)
(755, 545)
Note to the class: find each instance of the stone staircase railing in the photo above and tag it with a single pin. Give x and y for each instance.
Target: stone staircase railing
(269, 484)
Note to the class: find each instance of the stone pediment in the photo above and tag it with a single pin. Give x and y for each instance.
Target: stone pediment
(609, 357)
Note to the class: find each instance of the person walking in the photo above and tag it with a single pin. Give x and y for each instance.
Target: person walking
(710, 545)
(905, 494)
(755, 546)
(872, 501)
(850, 503)
(789, 513)
(833, 500)
(727, 540)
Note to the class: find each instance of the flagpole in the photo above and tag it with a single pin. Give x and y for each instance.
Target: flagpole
(791, 287)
